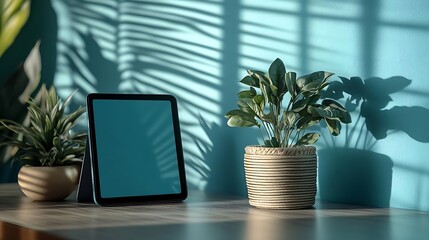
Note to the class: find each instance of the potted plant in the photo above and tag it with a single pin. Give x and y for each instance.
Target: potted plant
(50, 153)
(282, 172)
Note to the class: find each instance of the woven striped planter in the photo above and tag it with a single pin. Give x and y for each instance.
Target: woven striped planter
(281, 178)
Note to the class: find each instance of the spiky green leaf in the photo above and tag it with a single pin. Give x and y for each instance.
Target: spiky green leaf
(46, 141)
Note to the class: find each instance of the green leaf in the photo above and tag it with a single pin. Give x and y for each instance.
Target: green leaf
(307, 121)
(274, 90)
(340, 112)
(308, 138)
(268, 93)
(290, 83)
(330, 112)
(259, 77)
(312, 87)
(14, 14)
(323, 85)
(300, 105)
(333, 104)
(270, 117)
(277, 73)
(247, 105)
(250, 81)
(241, 121)
(277, 70)
(247, 93)
(334, 126)
(256, 73)
(237, 112)
(259, 102)
(313, 99)
(289, 118)
(318, 77)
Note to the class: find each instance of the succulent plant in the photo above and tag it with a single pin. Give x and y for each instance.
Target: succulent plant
(45, 138)
(286, 125)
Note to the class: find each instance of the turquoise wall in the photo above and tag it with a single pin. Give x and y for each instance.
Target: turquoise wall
(198, 50)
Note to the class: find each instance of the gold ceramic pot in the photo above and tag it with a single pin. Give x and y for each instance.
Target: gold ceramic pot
(281, 178)
(48, 183)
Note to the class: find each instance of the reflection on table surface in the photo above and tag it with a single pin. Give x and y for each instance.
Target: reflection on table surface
(209, 217)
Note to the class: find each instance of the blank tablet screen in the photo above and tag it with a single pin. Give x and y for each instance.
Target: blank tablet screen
(135, 148)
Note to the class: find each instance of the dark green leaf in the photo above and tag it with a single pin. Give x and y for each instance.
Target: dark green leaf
(307, 121)
(259, 77)
(277, 70)
(340, 112)
(313, 99)
(330, 113)
(277, 73)
(323, 85)
(300, 104)
(250, 81)
(333, 104)
(291, 83)
(309, 138)
(334, 126)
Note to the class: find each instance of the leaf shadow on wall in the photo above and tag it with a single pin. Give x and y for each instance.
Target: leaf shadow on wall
(104, 76)
(139, 46)
(355, 173)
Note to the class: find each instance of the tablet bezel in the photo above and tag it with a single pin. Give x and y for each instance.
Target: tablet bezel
(98, 199)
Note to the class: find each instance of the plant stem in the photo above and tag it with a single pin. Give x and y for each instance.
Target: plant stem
(266, 129)
(294, 140)
(262, 135)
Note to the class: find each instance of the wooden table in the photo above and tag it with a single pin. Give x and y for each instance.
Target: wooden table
(201, 217)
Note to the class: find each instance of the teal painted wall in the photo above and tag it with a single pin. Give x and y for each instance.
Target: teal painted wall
(198, 50)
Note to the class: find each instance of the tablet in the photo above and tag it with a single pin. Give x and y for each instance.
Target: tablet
(135, 149)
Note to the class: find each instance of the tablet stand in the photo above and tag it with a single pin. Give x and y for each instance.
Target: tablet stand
(84, 189)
